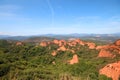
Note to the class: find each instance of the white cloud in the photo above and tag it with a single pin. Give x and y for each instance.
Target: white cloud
(6, 14)
(9, 7)
(6, 33)
(8, 10)
(11, 12)
(88, 17)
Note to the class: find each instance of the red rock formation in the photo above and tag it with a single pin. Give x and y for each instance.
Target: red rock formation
(117, 42)
(72, 51)
(73, 43)
(74, 59)
(82, 43)
(62, 48)
(111, 47)
(102, 47)
(44, 44)
(53, 63)
(54, 53)
(99, 47)
(49, 43)
(111, 70)
(105, 53)
(91, 45)
(79, 41)
(114, 48)
(19, 43)
(69, 43)
(62, 43)
(56, 41)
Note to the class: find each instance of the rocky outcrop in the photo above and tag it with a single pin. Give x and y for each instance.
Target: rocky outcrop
(117, 42)
(102, 47)
(111, 70)
(74, 59)
(62, 48)
(91, 45)
(105, 53)
(56, 41)
(107, 50)
(19, 43)
(79, 41)
(62, 43)
(114, 48)
(75, 42)
(43, 44)
(54, 53)
(73, 51)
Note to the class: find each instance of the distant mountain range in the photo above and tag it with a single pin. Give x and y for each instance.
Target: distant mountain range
(101, 37)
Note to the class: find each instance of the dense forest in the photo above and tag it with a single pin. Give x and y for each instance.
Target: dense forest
(29, 61)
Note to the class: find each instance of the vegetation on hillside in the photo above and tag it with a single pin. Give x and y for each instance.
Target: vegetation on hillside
(30, 62)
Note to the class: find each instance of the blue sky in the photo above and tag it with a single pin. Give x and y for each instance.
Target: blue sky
(33, 17)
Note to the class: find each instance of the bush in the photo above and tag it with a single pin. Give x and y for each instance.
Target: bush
(4, 69)
(103, 77)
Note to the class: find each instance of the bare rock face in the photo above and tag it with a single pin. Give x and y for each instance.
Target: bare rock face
(59, 42)
(74, 59)
(114, 48)
(62, 43)
(111, 70)
(105, 53)
(56, 41)
(111, 47)
(62, 48)
(54, 53)
(53, 63)
(73, 43)
(102, 47)
(91, 45)
(79, 41)
(73, 51)
(44, 44)
(99, 47)
(19, 43)
(117, 42)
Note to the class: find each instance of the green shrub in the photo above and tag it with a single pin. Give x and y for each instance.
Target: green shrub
(4, 69)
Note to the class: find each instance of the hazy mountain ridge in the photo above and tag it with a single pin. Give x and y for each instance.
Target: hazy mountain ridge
(99, 37)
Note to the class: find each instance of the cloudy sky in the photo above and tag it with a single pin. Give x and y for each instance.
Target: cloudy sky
(33, 17)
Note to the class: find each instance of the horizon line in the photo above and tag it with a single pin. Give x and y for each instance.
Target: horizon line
(59, 34)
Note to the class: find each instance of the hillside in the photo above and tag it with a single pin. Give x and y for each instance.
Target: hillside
(38, 39)
(53, 59)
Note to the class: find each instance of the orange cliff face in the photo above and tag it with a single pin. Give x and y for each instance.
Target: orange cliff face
(117, 43)
(54, 53)
(56, 41)
(74, 59)
(44, 44)
(79, 41)
(111, 70)
(19, 43)
(62, 48)
(105, 53)
(91, 45)
(102, 47)
(62, 42)
(59, 42)
(75, 42)
(108, 50)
